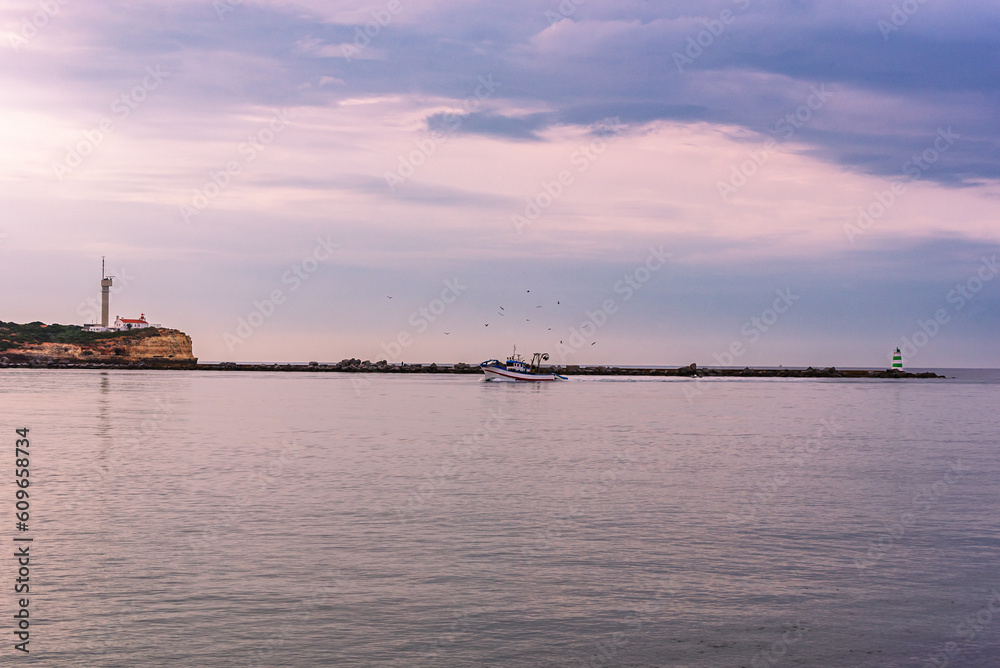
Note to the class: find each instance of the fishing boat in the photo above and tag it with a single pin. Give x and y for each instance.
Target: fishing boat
(517, 368)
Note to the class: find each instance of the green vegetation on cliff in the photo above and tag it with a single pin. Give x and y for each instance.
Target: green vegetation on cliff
(13, 335)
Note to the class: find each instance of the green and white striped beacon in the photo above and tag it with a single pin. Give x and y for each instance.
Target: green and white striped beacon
(897, 360)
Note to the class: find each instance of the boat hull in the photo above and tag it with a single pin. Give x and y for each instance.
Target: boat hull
(493, 373)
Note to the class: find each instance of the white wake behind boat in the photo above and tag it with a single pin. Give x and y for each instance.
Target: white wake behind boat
(517, 368)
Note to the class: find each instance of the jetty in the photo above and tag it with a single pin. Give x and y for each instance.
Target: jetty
(354, 365)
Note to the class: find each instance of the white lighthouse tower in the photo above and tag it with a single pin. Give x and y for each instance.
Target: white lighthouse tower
(897, 360)
(105, 299)
(105, 294)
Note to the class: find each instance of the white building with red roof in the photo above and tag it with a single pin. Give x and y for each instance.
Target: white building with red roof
(123, 324)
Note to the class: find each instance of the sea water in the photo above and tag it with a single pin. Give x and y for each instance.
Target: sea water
(202, 518)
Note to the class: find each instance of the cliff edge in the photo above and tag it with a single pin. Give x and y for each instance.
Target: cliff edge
(38, 344)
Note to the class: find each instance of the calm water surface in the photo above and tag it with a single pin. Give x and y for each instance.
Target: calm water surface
(251, 519)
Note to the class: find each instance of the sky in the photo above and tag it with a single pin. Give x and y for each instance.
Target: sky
(732, 183)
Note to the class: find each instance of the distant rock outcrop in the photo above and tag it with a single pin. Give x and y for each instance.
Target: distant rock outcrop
(150, 347)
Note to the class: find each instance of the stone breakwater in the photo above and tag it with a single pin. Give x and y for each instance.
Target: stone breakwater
(54, 360)
(692, 370)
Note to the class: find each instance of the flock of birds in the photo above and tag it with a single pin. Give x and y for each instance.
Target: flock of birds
(503, 314)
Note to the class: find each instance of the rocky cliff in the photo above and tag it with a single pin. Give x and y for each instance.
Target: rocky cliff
(163, 348)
